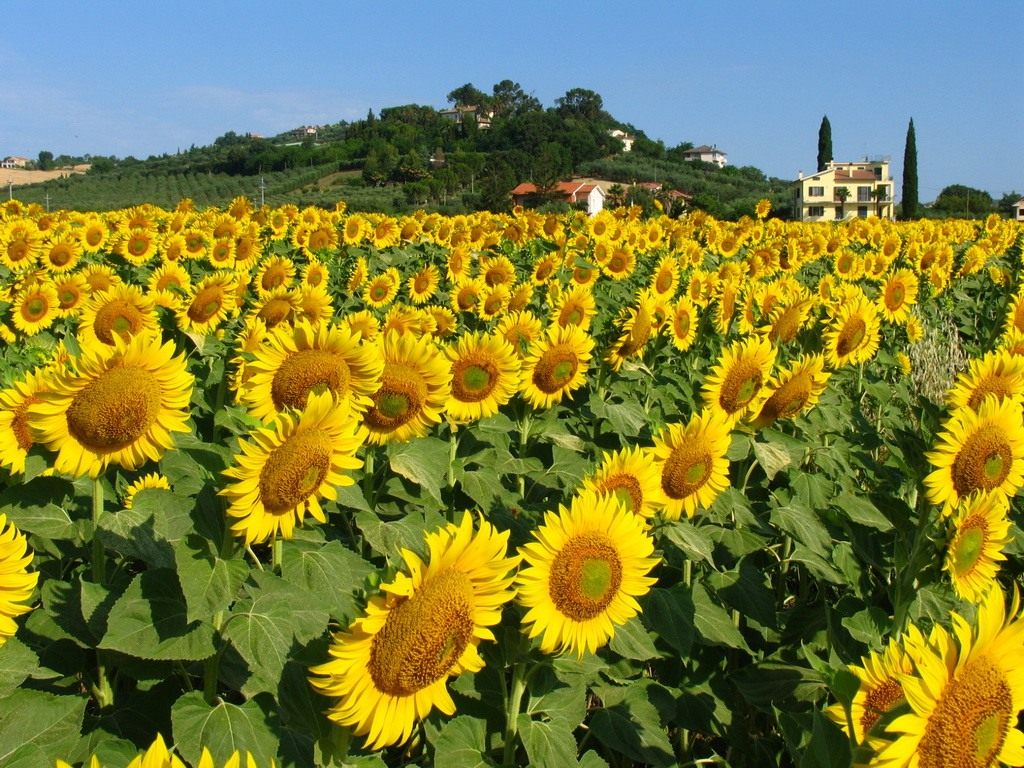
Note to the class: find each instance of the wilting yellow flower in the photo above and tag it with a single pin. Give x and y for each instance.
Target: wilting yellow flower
(585, 568)
(390, 668)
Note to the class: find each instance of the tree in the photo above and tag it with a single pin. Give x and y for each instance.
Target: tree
(509, 98)
(824, 143)
(880, 195)
(467, 95)
(910, 194)
(581, 102)
(842, 194)
(45, 161)
(961, 201)
(1007, 204)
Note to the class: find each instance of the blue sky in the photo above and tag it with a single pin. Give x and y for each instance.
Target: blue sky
(145, 78)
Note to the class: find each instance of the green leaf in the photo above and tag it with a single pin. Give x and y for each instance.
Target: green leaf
(868, 626)
(150, 621)
(329, 572)
(591, 759)
(772, 458)
(264, 627)
(462, 743)
(714, 624)
(746, 588)
(389, 537)
(133, 532)
(695, 542)
(546, 742)
(223, 729)
(351, 497)
(804, 526)
(631, 641)
(556, 699)
(209, 583)
(770, 683)
(38, 507)
(829, 747)
(627, 419)
(861, 511)
(423, 461)
(17, 660)
(34, 722)
(633, 727)
(670, 613)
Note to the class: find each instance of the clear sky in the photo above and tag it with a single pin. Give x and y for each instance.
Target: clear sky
(754, 78)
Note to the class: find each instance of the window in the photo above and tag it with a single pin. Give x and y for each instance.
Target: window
(878, 172)
(815, 210)
(815, 191)
(863, 194)
(862, 211)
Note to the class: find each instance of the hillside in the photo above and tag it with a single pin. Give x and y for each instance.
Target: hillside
(413, 156)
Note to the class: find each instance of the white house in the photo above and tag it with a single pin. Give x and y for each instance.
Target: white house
(845, 191)
(1018, 210)
(582, 192)
(627, 139)
(708, 154)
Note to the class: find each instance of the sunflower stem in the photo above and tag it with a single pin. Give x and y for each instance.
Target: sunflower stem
(524, 440)
(369, 490)
(515, 698)
(453, 449)
(211, 667)
(218, 403)
(99, 557)
(275, 553)
(905, 583)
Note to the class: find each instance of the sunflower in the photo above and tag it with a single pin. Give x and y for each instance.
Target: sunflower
(998, 373)
(390, 668)
(61, 252)
(493, 302)
(898, 294)
(382, 289)
(423, 285)
(520, 329)
(209, 303)
(35, 307)
(584, 570)
(665, 279)
(286, 468)
(879, 693)
(294, 362)
(555, 365)
(114, 405)
(683, 323)
(442, 319)
(981, 531)
(853, 335)
(966, 695)
(979, 450)
(465, 295)
(364, 324)
(575, 306)
(545, 268)
(93, 234)
(121, 312)
(315, 304)
(100, 277)
(735, 386)
(273, 273)
(72, 291)
(793, 391)
(278, 306)
(152, 481)
(630, 476)
(621, 262)
(14, 405)
(484, 374)
(691, 462)
(169, 281)
(315, 274)
(16, 582)
(137, 246)
(635, 327)
(414, 388)
(497, 270)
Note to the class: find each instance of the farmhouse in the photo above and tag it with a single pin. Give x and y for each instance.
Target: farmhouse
(584, 192)
(13, 161)
(845, 191)
(471, 113)
(627, 139)
(708, 154)
(1018, 210)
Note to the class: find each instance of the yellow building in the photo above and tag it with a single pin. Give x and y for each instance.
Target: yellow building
(845, 191)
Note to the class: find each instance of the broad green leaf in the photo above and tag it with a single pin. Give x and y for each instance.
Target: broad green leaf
(17, 660)
(693, 540)
(263, 628)
(208, 582)
(423, 461)
(34, 720)
(351, 497)
(132, 532)
(829, 747)
(771, 683)
(772, 458)
(869, 626)
(714, 624)
(631, 641)
(804, 526)
(63, 602)
(627, 419)
(329, 572)
(556, 699)
(462, 743)
(861, 511)
(813, 491)
(746, 588)
(150, 621)
(547, 742)
(670, 613)
(389, 537)
(222, 728)
(633, 727)
(591, 759)
(38, 507)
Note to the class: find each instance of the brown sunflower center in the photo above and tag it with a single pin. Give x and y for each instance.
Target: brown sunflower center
(473, 379)
(664, 282)
(626, 488)
(19, 424)
(969, 724)
(998, 385)
(895, 294)
(273, 278)
(115, 409)
(850, 336)
(555, 369)
(120, 317)
(686, 470)
(585, 576)
(739, 386)
(423, 636)
(294, 471)
(421, 284)
(880, 700)
(35, 308)
(983, 462)
(306, 371)
(60, 255)
(400, 398)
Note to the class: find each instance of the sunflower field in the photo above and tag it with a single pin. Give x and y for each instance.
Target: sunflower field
(299, 487)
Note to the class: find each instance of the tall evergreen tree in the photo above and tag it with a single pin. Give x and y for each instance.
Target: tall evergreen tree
(910, 199)
(824, 143)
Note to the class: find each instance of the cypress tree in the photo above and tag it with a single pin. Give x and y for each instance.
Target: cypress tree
(910, 201)
(824, 143)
